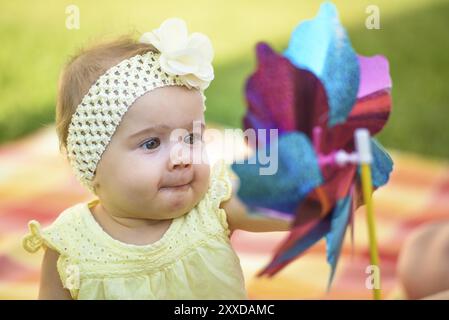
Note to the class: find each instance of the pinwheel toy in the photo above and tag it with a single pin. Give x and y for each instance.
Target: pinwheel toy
(327, 103)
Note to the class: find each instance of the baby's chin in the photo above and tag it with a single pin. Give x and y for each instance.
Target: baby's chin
(178, 210)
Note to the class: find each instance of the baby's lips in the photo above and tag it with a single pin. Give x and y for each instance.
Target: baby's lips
(178, 183)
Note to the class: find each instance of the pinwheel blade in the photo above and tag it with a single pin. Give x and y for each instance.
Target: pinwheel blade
(297, 173)
(322, 46)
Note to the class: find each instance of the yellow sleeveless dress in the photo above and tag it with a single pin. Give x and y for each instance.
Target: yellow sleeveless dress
(193, 259)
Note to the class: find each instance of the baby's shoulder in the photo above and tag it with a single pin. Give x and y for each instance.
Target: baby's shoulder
(69, 221)
(56, 235)
(69, 215)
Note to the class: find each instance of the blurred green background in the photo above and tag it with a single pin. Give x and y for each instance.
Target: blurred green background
(414, 36)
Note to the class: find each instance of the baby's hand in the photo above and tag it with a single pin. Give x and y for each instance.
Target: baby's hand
(238, 216)
(423, 262)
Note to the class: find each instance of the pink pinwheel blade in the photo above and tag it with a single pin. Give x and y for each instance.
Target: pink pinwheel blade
(374, 75)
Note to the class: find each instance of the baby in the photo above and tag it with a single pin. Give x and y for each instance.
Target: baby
(423, 264)
(130, 117)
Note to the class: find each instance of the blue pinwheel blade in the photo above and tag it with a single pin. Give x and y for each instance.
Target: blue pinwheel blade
(334, 239)
(294, 175)
(382, 164)
(322, 46)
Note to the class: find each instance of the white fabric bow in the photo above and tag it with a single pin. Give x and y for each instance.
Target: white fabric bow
(189, 56)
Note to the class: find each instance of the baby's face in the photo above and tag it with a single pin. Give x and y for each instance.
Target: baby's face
(147, 169)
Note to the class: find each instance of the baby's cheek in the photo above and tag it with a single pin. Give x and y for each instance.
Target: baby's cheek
(139, 178)
(202, 174)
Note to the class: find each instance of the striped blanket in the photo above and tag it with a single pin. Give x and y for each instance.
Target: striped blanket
(36, 183)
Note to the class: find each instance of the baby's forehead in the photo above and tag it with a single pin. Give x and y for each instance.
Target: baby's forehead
(162, 118)
(134, 126)
(164, 109)
(168, 101)
(162, 127)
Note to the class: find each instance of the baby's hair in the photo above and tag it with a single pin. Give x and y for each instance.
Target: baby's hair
(81, 72)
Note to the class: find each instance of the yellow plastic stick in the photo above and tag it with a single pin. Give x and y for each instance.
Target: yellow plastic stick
(374, 255)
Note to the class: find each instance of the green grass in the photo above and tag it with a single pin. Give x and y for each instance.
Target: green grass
(414, 36)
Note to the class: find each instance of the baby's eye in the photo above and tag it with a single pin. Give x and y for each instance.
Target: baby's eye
(151, 144)
(192, 138)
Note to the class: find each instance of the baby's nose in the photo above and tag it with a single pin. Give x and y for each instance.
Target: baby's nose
(180, 157)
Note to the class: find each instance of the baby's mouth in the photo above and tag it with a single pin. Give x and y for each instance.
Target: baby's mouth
(178, 186)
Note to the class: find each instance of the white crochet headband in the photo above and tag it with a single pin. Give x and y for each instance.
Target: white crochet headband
(182, 60)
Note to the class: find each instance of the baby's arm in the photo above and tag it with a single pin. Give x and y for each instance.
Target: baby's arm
(443, 295)
(424, 262)
(50, 285)
(239, 218)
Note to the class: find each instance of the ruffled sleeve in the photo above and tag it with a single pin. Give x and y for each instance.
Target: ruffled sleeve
(36, 238)
(220, 191)
(60, 236)
(57, 236)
